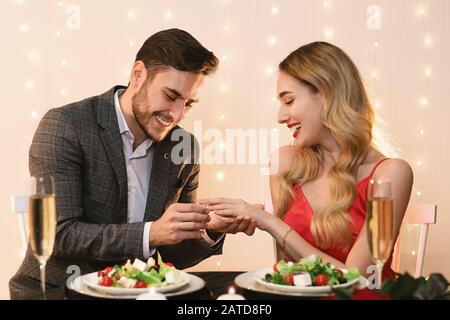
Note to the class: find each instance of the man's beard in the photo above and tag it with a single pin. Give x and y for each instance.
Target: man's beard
(140, 100)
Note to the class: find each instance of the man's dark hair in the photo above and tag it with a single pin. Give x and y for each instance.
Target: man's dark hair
(178, 49)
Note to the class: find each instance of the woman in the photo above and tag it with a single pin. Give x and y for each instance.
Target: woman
(319, 190)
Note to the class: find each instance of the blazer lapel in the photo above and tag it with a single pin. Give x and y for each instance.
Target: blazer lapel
(112, 141)
(159, 180)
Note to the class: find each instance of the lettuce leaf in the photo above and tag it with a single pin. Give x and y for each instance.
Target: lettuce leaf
(352, 274)
(148, 278)
(164, 268)
(131, 272)
(310, 262)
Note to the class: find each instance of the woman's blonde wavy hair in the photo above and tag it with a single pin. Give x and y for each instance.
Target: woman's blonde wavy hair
(347, 113)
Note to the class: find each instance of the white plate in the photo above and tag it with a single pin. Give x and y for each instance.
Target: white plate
(91, 281)
(78, 285)
(258, 276)
(246, 281)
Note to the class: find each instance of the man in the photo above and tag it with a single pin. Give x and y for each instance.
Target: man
(120, 194)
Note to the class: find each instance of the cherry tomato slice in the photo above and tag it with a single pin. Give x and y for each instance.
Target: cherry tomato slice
(107, 270)
(106, 282)
(289, 279)
(275, 268)
(104, 272)
(321, 280)
(140, 284)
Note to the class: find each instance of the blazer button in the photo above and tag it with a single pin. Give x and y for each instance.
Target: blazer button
(166, 156)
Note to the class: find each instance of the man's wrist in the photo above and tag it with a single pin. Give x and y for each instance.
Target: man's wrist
(153, 236)
(147, 250)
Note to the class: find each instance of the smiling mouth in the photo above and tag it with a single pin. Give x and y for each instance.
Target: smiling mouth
(163, 122)
(296, 128)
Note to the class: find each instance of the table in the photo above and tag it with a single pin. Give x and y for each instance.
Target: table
(217, 283)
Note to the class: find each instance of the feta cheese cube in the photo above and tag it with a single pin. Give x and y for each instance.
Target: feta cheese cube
(151, 263)
(174, 277)
(140, 265)
(127, 282)
(302, 280)
(128, 264)
(170, 277)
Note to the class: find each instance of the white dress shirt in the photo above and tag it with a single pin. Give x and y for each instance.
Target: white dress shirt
(139, 166)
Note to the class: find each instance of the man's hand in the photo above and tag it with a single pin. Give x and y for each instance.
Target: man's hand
(235, 208)
(181, 221)
(232, 225)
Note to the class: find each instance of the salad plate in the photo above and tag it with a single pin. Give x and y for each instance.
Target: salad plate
(258, 277)
(91, 281)
(246, 281)
(79, 285)
(135, 279)
(307, 276)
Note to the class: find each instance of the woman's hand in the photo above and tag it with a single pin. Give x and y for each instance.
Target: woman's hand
(246, 225)
(234, 208)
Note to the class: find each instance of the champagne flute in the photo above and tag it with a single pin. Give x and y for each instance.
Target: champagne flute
(42, 221)
(380, 223)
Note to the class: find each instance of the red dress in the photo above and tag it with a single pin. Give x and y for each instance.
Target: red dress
(300, 213)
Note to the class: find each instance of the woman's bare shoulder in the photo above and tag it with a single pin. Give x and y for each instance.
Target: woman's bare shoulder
(385, 168)
(395, 169)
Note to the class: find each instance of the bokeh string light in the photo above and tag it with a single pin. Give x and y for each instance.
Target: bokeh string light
(374, 73)
(328, 31)
(424, 103)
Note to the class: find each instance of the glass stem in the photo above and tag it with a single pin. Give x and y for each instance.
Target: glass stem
(42, 269)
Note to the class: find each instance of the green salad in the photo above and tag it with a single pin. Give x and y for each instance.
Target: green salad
(309, 271)
(140, 275)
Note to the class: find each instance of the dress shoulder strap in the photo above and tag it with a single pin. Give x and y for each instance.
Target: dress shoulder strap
(376, 166)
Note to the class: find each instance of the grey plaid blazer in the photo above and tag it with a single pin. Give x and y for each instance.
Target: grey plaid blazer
(80, 145)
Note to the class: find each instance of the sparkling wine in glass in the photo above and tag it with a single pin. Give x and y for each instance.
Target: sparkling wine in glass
(380, 223)
(42, 221)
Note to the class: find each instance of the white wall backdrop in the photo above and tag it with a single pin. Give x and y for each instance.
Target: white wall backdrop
(56, 52)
